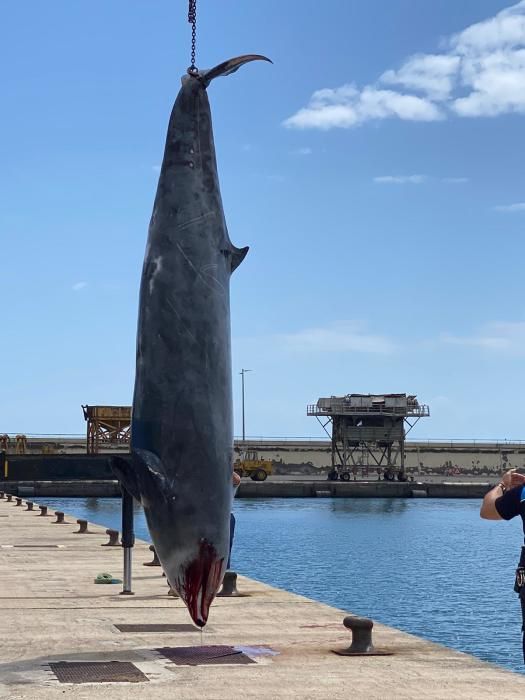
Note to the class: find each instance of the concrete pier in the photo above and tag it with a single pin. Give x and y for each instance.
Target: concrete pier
(52, 612)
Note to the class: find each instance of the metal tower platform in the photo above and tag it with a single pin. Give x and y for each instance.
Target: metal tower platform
(107, 426)
(368, 430)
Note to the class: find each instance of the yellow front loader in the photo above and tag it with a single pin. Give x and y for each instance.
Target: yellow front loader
(250, 465)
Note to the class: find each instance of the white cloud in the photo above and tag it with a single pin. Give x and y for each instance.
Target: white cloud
(340, 336)
(497, 80)
(519, 206)
(400, 179)
(431, 74)
(346, 106)
(480, 73)
(500, 336)
(416, 180)
(506, 29)
(78, 286)
(439, 399)
(303, 151)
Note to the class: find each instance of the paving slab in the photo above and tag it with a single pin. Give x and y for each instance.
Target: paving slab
(52, 612)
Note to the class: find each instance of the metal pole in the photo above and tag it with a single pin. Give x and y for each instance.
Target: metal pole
(243, 428)
(128, 539)
(242, 373)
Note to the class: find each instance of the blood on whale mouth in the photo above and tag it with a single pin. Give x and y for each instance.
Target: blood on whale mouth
(201, 582)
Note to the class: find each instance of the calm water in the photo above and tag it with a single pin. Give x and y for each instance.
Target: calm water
(431, 567)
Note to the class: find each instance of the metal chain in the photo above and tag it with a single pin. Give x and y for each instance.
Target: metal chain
(192, 19)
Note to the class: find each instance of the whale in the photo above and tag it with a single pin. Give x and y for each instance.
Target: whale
(181, 454)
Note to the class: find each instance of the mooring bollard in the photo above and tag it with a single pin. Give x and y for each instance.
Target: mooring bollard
(113, 539)
(83, 527)
(155, 561)
(43, 510)
(9, 497)
(229, 585)
(361, 628)
(29, 505)
(2, 494)
(18, 501)
(60, 518)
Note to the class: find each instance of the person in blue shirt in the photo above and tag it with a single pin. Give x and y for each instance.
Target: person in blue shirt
(236, 480)
(504, 502)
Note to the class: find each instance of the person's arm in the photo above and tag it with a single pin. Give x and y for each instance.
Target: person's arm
(488, 507)
(236, 480)
(502, 502)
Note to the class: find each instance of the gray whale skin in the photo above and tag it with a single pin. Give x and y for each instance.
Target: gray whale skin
(181, 461)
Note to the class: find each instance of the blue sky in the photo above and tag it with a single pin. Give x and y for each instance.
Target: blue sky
(375, 171)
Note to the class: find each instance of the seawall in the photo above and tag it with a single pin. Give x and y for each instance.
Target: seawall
(266, 489)
(68, 460)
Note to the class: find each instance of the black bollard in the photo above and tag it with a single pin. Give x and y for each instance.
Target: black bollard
(361, 628)
(9, 497)
(113, 539)
(29, 505)
(60, 518)
(229, 586)
(83, 527)
(155, 561)
(18, 501)
(43, 510)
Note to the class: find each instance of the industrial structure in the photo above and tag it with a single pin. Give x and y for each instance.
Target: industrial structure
(18, 446)
(368, 430)
(107, 426)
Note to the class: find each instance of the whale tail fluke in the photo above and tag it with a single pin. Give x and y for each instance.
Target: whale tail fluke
(229, 66)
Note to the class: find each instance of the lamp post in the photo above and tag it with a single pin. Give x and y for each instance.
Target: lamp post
(242, 373)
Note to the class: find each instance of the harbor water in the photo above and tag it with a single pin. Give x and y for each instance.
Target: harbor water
(427, 566)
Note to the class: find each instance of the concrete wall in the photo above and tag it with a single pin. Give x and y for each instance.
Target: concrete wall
(295, 457)
(309, 457)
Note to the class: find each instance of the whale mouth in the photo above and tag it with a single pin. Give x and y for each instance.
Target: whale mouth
(200, 583)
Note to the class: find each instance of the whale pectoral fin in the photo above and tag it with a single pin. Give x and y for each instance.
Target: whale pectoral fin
(151, 471)
(125, 473)
(238, 255)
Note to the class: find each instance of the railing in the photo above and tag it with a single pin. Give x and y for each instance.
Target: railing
(50, 436)
(457, 442)
(338, 409)
(432, 442)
